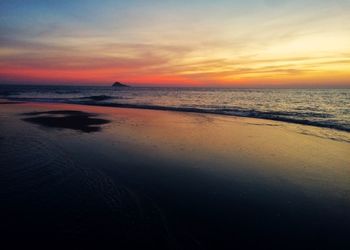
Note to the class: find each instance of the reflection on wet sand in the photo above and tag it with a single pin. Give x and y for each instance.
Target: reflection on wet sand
(68, 119)
(165, 180)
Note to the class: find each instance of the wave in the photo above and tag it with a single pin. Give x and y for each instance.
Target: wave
(304, 118)
(290, 117)
(41, 99)
(82, 100)
(97, 97)
(64, 92)
(6, 93)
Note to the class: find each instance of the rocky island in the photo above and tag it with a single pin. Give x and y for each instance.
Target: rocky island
(119, 84)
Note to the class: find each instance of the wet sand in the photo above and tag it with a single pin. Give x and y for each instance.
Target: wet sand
(134, 179)
(66, 119)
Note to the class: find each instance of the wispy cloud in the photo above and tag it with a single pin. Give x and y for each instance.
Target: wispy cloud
(229, 42)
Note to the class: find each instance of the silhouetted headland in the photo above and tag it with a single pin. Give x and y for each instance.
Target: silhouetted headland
(119, 84)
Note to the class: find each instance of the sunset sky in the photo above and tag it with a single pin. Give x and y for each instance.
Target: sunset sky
(176, 43)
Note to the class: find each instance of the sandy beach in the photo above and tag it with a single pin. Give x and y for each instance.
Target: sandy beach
(170, 180)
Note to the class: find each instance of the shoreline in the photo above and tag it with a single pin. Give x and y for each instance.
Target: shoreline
(193, 110)
(202, 111)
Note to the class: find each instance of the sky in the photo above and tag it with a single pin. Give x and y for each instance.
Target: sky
(176, 43)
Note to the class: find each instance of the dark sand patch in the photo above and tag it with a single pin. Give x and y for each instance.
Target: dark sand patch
(67, 119)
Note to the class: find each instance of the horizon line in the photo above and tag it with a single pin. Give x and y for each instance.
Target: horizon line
(209, 86)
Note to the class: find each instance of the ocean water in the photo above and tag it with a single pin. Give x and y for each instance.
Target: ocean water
(318, 107)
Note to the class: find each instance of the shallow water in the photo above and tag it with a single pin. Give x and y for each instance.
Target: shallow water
(318, 107)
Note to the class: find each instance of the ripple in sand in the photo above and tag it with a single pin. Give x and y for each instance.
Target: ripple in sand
(28, 164)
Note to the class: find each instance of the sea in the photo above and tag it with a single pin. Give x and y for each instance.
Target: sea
(329, 108)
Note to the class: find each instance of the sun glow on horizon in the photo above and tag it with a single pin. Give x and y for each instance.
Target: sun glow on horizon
(189, 43)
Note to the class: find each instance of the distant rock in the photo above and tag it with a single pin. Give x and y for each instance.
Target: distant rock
(119, 84)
